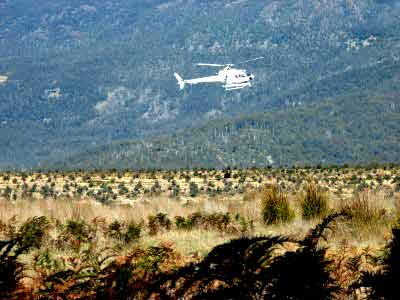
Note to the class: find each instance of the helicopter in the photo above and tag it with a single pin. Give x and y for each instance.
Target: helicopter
(232, 79)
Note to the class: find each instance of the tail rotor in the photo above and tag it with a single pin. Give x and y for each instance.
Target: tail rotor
(181, 82)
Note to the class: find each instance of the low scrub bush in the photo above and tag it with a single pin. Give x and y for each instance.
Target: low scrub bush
(114, 230)
(313, 201)
(181, 223)
(77, 232)
(214, 221)
(275, 206)
(245, 226)
(158, 222)
(132, 232)
(218, 221)
(126, 233)
(364, 209)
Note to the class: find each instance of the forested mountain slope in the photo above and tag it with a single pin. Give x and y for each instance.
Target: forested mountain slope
(86, 74)
(355, 129)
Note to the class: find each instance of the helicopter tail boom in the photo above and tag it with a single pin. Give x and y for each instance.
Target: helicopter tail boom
(181, 82)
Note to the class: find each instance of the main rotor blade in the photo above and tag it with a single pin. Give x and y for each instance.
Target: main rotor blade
(210, 65)
(246, 61)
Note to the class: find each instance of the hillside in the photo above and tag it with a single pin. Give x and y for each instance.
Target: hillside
(88, 74)
(355, 129)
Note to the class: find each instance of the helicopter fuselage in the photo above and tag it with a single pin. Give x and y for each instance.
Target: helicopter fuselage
(232, 79)
(236, 78)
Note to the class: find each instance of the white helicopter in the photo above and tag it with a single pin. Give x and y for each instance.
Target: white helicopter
(232, 79)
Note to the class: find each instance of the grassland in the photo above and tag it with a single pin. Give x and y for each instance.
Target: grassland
(157, 221)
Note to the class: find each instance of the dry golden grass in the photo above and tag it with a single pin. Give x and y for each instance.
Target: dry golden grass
(194, 243)
(235, 192)
(373, 215)
(372, 197)
(359, 232)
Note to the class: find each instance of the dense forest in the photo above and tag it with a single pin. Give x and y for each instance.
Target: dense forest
(90, 75)
(356, 129)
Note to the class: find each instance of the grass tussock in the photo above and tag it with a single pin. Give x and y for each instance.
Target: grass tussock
(275, 206)
(313, 201)
(366, 210)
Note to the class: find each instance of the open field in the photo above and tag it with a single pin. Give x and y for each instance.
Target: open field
(158, 221)
(130, 186)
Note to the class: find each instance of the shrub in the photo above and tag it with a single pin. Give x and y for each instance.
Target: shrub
(181, 223)
(175, 189)
(77, 232)
(195, 219)
(245, 226)
(115, 229)
(156, 189)
(364, 209)
(133, 231)
(7, 193)
(313, 201)
(275, 206)
(216, 221)
(158, 222)
(193, 189)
